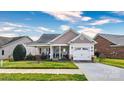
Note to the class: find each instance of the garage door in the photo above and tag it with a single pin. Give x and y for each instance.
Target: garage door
(81, 53)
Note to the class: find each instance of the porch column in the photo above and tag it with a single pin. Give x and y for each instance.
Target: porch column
(59, 52)
(35, 50)
(51, 52)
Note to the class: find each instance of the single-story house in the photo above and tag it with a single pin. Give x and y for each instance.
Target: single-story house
(7, 45)
(69, 45)
(112, 46)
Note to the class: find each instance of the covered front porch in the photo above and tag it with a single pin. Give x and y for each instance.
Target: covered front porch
(54, 52)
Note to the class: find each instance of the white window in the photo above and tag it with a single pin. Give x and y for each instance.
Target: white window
(77, 48)
(40, 50)
(2, 52)
(84, 48)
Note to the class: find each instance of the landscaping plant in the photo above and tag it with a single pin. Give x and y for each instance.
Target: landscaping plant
(19, 53)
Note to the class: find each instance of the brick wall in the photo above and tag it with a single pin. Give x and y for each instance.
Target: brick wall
(103, 46)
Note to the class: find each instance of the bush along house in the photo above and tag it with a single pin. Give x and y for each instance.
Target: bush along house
(69, 45)
(112, 46)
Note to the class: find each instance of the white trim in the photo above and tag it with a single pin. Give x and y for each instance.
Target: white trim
(117, 45)
(62, 35)
(59, 45)
(51, 52)
(81, 43)
(59, 52)
(36, 45)
(88, 38)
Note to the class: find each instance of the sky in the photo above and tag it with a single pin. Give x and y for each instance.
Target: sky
(35, 23)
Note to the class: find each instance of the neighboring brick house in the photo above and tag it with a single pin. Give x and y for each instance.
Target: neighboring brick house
(112, 46)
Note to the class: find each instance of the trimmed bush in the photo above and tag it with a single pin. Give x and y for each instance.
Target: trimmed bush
(19, 53)
(101, 58)
(43, 56)
(97, 54)
(30, 57)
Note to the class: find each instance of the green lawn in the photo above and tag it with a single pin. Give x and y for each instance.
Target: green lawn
(41, 65)
(113, 62)
(42, 77)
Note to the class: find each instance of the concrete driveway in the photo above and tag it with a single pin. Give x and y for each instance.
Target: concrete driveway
(101, 72)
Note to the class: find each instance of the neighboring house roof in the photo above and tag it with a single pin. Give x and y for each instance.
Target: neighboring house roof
(7, 40)
(4, 40)
(115, 39)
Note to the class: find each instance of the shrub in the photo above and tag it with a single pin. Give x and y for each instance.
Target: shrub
(19, 53)
(43, 56)
(102, 58)
(97, 54)
(10, 59)
(30, 57)
(38, 58)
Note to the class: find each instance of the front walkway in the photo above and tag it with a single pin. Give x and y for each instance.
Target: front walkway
(44, 71)
(101, 72)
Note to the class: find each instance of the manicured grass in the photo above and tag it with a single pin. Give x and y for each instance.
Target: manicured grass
(113, 62)
(41, 65)
(42, 77)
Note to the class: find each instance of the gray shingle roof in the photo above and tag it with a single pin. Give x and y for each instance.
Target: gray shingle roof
(4, 40)
(7, 40)
(45, 38)
(116, 39)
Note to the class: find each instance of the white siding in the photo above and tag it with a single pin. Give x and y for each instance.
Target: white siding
(8, 49)
(31, 50)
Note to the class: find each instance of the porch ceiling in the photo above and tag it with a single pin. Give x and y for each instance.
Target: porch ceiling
(40, 44)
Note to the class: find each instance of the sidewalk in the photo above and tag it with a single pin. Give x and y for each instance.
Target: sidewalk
(44, 71)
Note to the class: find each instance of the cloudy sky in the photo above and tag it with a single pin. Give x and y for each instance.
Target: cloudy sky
(34, 24)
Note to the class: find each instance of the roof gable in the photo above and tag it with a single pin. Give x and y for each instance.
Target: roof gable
(81, 38)
(65, 37)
